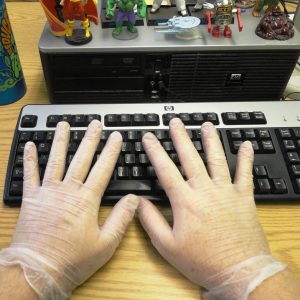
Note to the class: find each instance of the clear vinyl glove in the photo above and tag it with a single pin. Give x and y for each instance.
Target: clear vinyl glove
(57, 241)
(216, 239)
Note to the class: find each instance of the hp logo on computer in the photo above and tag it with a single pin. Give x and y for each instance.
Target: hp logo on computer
(235, 79)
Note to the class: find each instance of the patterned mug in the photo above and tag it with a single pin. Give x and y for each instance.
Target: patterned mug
(12, 83)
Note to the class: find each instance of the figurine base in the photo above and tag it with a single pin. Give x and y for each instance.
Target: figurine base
(78, 37)
(189, 34)
(126, 35)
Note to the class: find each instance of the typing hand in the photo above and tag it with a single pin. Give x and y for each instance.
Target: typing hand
(215, 225)
(57, 238)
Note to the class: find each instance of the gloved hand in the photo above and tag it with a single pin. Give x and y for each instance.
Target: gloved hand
(57, 241)
(215, 225)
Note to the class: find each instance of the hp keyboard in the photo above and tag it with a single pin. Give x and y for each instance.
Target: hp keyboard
(272, 127)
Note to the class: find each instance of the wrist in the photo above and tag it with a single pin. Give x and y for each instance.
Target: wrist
(238, 281)
(40, 274)
(13, 284)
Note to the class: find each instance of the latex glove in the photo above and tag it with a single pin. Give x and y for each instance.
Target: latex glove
(215, 225)
(57, 241)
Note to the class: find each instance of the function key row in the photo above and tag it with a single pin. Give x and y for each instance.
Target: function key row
(79, 120)
(150, 119)
(196, 118)
(241, 118)
(115, 120)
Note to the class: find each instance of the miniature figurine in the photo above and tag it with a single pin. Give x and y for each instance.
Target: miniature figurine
(180, 5)
(259, 5)
(82, 11)
(275, 24)
(223, 16)
(183, 27)
(199, 5)
(61, 17)
(244, 3)
(125, 10)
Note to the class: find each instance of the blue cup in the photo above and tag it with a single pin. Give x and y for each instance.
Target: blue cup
(12, 83)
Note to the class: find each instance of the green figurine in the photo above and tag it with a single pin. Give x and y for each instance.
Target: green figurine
(125, 9)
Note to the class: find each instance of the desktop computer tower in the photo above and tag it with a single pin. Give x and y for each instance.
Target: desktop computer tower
(158, 67)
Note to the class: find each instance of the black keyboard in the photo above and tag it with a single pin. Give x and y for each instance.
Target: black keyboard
(272, 127)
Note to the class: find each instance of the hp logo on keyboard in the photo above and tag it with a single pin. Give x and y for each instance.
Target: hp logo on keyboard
(169, 108)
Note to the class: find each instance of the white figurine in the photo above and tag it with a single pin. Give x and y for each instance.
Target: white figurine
(199, 5)
(180, 4)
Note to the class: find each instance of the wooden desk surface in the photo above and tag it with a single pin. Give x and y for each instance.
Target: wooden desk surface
(136, 271)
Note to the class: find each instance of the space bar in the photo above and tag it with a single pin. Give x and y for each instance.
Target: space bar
(116, 187)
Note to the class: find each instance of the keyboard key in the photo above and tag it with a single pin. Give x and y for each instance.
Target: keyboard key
(25, 136)
(230, 118)
(168, 117)
(152, 120)
(129, 159)
(77, 136)
(212, 117)
(260, 171)
(29, 121)
(79, 121)
(38, 136)
(122, 187)
(125, 120)
(132, 135)
(235, 134)
(198, 145)
(263, 133)
(293, 157)
(123, 172)
(67, 118)
(18, 173)
(137, 172)
(244, 117)
(296, 170)
(138, 120)
(111, 120)
(285, 133)
(197, 119)
(143, 159)
(90, 118)
(126, 147)
(50, 136)
(16, 188)
(263, 186)
(43, 148)
(249, 133)
(52, 120)
(267, 146)
(279, 186)
(185, 118)
(19, 161)
(259, 117)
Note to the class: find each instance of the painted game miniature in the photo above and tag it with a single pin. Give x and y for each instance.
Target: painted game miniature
(125, 9)
(62, 15)
(275, 24)
(223, 13)
(259, 5)
(180, 5)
